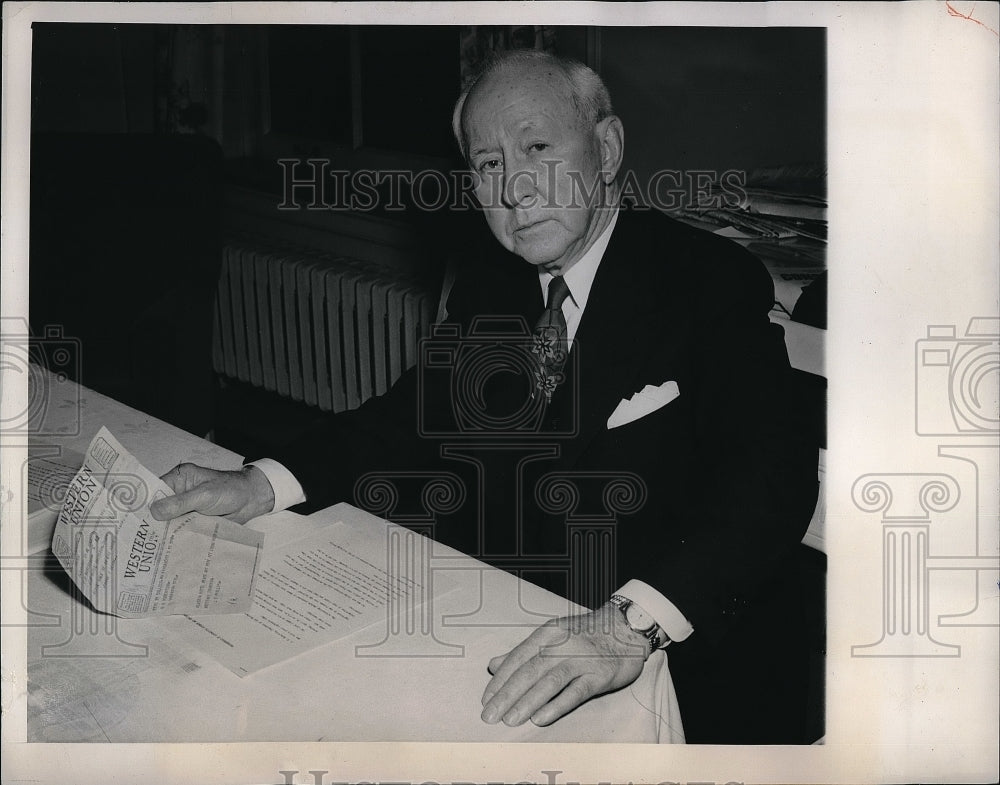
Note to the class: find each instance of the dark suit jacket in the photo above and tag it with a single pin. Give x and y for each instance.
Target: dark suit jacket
(704, 499)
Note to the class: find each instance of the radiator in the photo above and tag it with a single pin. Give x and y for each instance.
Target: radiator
(326, 330)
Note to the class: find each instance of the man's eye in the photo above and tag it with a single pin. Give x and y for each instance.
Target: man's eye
(538, 147)
(489, 165)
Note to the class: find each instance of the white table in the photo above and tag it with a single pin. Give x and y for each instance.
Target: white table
(99, 678)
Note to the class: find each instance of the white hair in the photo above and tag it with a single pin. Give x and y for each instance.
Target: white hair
(587, 91)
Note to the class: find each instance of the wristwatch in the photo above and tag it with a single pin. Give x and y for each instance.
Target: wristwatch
(637, 619)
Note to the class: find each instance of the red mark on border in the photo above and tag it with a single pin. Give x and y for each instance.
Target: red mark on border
(952, 11)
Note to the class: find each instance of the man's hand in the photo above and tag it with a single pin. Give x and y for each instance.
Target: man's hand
(237, 495)
(562, 664)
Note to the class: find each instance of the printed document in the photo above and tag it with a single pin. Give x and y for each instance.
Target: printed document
(321, 588)
(50, 471)
(128, 564)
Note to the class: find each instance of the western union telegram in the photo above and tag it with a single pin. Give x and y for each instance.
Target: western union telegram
(131, 565)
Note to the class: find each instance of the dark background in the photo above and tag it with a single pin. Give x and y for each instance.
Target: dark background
(690, 98)
(152, 144)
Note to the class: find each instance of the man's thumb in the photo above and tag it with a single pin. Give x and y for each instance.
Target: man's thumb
(167, 508)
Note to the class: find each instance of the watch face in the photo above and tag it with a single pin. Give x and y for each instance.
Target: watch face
(638, 619)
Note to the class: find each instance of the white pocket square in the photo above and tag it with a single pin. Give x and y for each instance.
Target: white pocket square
(644, 402)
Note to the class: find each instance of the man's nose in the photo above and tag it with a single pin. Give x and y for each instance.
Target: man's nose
(520, 187)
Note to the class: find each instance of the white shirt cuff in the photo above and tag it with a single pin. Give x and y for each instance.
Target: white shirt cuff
(666, 614)
(287, 491)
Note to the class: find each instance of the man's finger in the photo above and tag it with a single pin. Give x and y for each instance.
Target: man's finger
(495, 663)
(534, 690)
(507, 703)
(175, 479)
(504, 667)
(165, 509)
(185, 476)
(200, 499)
(577, 692)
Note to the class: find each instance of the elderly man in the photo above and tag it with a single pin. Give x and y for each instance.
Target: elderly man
(652, 362)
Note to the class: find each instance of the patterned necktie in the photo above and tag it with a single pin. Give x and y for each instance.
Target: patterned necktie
(549, 343)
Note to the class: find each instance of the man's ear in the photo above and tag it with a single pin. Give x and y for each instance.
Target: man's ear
(611, 141)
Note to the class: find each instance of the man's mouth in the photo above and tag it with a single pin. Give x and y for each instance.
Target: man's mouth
(530, 226)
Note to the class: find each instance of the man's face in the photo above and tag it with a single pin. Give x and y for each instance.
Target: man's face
(536, 166)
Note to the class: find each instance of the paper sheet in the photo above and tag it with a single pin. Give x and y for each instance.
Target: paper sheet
(128, 564)
(319, 589)
(50, 471)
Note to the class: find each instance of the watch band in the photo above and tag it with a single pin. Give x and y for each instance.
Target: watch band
(652, 633)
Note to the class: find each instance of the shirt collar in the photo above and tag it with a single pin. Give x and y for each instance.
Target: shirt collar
(580, 277)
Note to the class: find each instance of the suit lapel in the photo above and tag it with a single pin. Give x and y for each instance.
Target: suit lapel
(624, 323)
(628, 317)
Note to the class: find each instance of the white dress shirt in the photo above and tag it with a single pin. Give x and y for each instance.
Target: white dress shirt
(580, 279)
